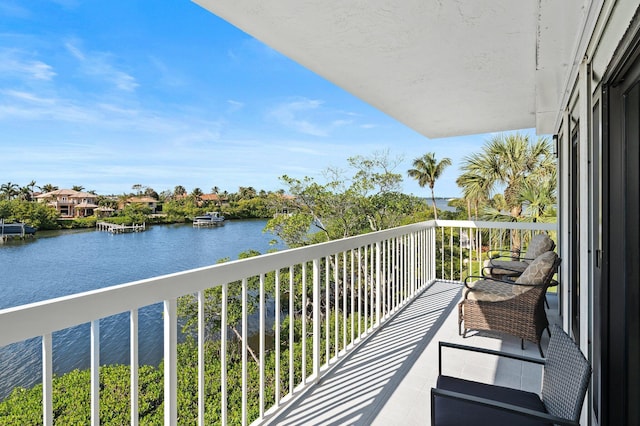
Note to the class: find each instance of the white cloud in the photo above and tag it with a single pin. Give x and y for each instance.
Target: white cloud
(234, 105)
(14, 62)
(97, 64)
(296, 115)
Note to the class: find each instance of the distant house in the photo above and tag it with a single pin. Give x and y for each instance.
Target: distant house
(70, 203)
(150, 202)
(214, 199)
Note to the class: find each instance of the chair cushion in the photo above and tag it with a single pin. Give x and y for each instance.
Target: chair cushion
(489, 291)
(538, 272)
(496, 266)
(539, 244)
(455, 412)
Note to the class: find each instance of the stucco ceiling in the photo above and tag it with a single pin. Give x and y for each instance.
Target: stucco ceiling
(442, 67)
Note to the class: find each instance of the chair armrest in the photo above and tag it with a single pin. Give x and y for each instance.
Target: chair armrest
(525, 412)
(540, 361)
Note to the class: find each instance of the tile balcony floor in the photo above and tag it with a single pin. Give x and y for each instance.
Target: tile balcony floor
(387, 380)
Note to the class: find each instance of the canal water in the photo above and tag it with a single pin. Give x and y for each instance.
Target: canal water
(61, 263)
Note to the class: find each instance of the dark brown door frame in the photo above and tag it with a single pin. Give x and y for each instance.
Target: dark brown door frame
(619, 316)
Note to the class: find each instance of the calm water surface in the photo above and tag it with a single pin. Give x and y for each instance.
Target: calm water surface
(61, 263)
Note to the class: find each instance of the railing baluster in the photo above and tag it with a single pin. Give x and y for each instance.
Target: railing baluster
(352, 284)
(95, 372)
(303, 319)
(170, 362)
(336, 324)
(359, 294)
(378, 268)
(412, 264)
(451, 277)
(372, 280)
(47, 380)
(344, 300)
(276, 337)
(133, 362)
(442, 252)
(316, 319)
(365, 283)
(291, 329)
(201, 336)
(245, 337)
(261, 311)
(223, 354)
(327, 330)
(385, 278)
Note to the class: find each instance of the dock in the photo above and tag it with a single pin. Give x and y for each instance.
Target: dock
(15, 230)
(119, 229)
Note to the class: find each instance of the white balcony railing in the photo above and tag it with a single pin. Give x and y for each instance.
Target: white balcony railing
(336, 294)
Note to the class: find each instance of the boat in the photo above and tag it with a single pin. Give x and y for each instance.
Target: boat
(209, 218)
(16, 229)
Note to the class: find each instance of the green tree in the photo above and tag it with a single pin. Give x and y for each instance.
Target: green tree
(78, 188)
(509, 161)
(475, 191)
(521, 167)
(426, 170)
(197, 195)
(344, 206)
(179, 191)
(9, 190)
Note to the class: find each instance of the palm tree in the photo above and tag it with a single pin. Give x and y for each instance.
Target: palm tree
(509, 161)
(49, 188)
(474, 191)
(9, 190)
(179, 191)
(78, 188)
(426, 171)
(197, 195)
(513, 162)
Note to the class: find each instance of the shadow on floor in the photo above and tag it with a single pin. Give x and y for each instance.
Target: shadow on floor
(356, 390)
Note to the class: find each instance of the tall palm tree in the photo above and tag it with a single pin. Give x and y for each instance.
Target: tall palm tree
(426, 170)
(78, 188)
(509, 161)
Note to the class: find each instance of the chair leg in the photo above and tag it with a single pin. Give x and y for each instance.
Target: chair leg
(546, 303)
(548, 331)
(540, 349)
(522, 344)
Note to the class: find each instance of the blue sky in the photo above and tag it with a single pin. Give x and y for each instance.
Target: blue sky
(163, 93)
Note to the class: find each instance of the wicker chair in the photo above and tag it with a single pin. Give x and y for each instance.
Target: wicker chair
(457, 401)
(512, 307)
(499, 267)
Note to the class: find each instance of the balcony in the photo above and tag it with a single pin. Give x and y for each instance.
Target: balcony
(367, 313)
